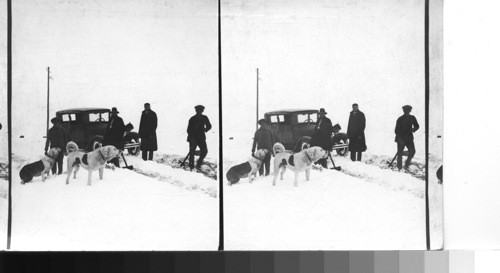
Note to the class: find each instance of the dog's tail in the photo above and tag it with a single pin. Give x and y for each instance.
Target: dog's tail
(278, 148)
(71, 147)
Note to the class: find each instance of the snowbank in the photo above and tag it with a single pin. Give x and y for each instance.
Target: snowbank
(191, 181)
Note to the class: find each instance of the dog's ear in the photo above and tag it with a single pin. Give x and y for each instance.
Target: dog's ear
(311, 152)
(104, 151)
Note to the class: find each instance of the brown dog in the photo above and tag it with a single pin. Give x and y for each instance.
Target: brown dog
(41, 167)
(248, 169)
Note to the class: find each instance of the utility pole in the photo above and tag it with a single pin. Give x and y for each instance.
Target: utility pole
(257, 117)
(48, 98)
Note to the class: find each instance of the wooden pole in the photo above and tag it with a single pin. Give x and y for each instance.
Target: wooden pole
(48, 99)
(257, 116)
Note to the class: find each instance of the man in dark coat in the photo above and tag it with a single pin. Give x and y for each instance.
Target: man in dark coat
(114, 134)
(406, 125)
(356, 133)
(322, 135)
(147, 132)
(197, 127)
(57, 138)
(264, 139)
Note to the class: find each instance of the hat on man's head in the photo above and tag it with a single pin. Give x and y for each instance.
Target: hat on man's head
(147, 103)
(114, 110)
(199, 107)
(354, 104)
(407, 107)
(54, 120)
(262, 121)
(322, 111)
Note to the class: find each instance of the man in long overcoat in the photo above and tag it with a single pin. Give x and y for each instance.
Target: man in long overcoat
(147, 132)
(197, 127)
(57, 138)
(114, 134)
(406, 125)
(356, 133)
(264, 139)
(322, 135)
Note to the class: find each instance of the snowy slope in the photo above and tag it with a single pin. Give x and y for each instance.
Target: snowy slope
(124, 211)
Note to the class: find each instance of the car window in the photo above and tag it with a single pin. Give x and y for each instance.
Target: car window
(281, 119)
(94, 117)
(275, 118)
(68, 117)
(301, 118)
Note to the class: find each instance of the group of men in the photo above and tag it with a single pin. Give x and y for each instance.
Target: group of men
(198, 125)
(406, 125)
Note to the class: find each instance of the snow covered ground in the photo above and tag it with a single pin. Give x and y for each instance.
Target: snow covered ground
(4, 199)
(362, 207)
(155, 207)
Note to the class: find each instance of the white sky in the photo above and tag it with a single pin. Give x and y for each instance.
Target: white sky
(116, 53)
(330, 54)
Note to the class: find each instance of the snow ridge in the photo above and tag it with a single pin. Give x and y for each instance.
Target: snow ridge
(175, 176)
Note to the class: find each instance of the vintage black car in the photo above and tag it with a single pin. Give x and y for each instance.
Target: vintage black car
(294, 128)
(86, 127)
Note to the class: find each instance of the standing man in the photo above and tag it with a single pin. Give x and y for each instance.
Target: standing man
(197, 127)
(264, 139)
(406, 125)
(57, 138)
(322, 135)
(147, 132)
(114, 134)
(356, 133)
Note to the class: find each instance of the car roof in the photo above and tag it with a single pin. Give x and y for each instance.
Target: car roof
(83, 110)
(289, 111)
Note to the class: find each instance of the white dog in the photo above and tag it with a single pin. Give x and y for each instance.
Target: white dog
(92, 161)
(298, 162)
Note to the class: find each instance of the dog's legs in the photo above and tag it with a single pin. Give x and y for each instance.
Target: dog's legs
(283, 169)
(308, 173)
(101, 171)
(43, 176)
(77, 167)
(70, 169)
(90, 178)
(296, 179)
(276, 171)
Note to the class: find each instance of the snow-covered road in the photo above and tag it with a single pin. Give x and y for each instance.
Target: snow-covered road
(124, 211)
(365, 206)
(331, 211)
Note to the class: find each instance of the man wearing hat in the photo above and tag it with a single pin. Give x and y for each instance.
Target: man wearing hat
(264, 139)
(57, 138)
(406, 125)
(197, 127)
(356, 133)
(114, 134)
(147, 132)
(322, 135)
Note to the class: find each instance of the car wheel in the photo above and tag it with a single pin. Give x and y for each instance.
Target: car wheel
(132, 138)
(136, 150)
